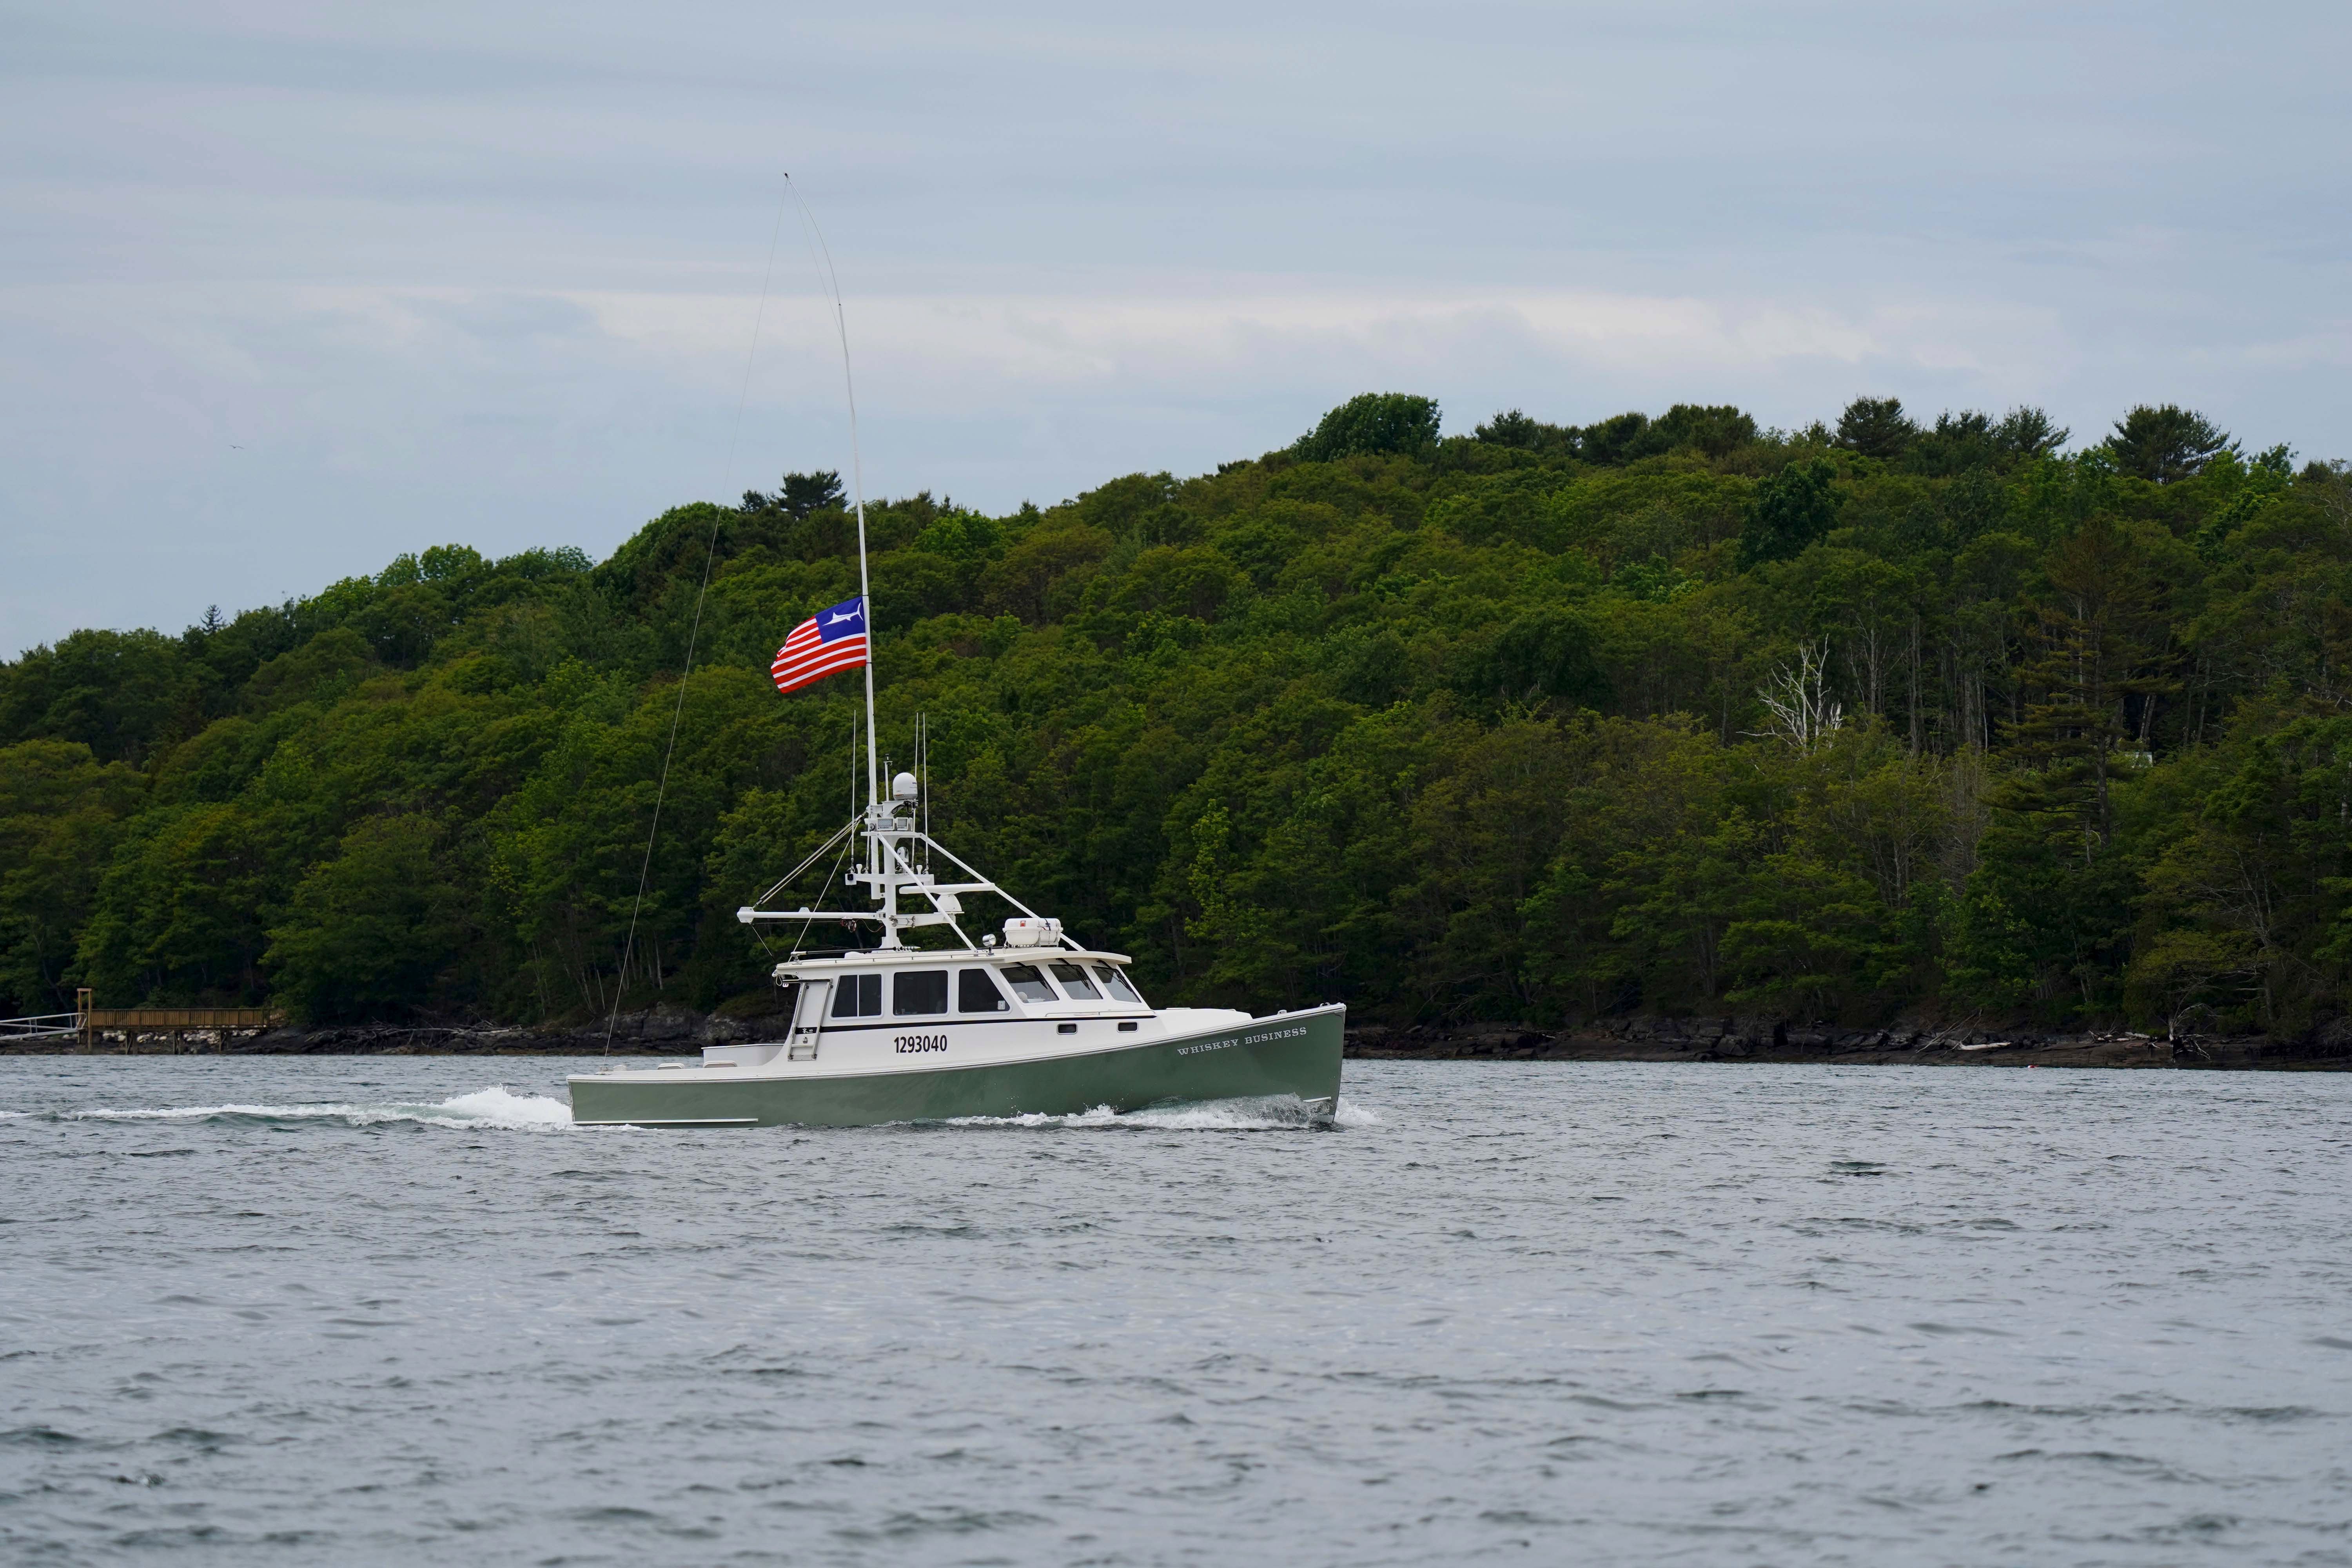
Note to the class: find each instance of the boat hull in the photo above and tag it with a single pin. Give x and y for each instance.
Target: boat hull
(1290, 1054)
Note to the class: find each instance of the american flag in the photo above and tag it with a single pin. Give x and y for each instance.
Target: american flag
(831, 640)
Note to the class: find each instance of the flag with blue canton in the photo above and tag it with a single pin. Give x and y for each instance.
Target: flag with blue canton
(832, 640)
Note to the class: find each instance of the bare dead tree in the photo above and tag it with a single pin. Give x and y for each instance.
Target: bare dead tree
(1798, 699)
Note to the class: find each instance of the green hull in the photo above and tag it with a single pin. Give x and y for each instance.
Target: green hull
(1295, 1053)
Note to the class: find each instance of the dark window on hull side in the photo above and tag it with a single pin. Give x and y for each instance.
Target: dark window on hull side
(857, 996)
(976, 993)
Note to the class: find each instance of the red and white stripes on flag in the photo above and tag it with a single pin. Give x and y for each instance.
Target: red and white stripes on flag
(828, 642)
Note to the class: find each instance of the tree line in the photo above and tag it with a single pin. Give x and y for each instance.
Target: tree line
(1548, 722)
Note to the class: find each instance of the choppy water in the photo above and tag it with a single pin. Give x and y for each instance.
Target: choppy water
(378, 1311)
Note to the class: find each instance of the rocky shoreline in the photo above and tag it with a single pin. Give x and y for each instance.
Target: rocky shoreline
(680, 1032)
(660, 1031)
(1648, 1039)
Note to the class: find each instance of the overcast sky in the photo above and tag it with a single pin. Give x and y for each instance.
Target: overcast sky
(287, 289)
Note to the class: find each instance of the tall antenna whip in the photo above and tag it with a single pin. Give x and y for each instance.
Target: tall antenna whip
(822, 255)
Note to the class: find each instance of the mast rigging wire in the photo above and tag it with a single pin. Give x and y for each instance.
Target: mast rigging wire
(694, 635)
(787, 879)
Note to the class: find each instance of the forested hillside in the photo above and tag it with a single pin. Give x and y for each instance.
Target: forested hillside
(1545, 723)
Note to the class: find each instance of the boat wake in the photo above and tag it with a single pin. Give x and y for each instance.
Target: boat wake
(500, 1109)
(497, 1106)
(1278, 1113)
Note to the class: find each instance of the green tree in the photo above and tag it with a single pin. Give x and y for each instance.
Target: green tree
(1547, 656)
(1443, 729)
(1876, 427)
(1955, 444)
(1712, 430)
(119, 693)
(182, 908)
(1372, 422)
(2098, 654)
(2165, 443)
(1793, 508)
(2249, 909)
(800, 496)
(367, 932)
(1620, 439)
(60, 811)
(1514, 428)
(2026, 433)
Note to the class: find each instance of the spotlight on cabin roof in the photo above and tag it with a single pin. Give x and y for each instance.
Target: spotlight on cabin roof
(903, 787)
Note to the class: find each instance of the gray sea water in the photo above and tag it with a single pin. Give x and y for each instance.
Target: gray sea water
(394, 1310)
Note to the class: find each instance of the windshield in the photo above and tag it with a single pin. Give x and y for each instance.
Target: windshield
(1028, 984)
(1074, 980)
(1115, 983)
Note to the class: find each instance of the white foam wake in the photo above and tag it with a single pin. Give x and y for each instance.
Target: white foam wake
(496, 1107)
(1280, 1113)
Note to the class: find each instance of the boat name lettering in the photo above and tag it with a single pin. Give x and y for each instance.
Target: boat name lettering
(908, 1043)
(1243, 1040)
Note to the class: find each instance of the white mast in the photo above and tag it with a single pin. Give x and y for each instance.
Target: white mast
(890, 868)
(877, 869)
(875, 852)
(865, 587)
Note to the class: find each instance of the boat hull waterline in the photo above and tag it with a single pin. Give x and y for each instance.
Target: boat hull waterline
(1294, 1055)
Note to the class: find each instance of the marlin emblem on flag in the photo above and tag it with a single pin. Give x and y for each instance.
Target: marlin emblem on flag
(832, 640)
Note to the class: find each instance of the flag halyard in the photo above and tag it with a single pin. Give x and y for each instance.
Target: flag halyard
(832, 640)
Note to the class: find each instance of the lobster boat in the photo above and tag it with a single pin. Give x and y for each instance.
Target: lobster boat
(1028, 1023)
(1024, 1022)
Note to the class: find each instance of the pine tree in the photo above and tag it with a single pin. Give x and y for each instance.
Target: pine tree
(2165, 443)
(1876, 427)
(2097, 643)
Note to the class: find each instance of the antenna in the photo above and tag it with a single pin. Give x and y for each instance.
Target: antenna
(823, 253)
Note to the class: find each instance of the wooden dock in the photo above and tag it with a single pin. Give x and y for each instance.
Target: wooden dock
(167, 1031)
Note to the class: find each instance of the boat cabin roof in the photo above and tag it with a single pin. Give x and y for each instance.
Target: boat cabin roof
(935, 958)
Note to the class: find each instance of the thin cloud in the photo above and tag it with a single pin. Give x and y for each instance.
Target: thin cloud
(456, 273)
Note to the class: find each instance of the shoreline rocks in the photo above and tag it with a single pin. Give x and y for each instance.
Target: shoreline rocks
(669, 1031)
(655, 1032)
(1734, 1040)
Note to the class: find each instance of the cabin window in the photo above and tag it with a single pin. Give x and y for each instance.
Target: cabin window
(857, 996)
(976, 993)
(916, 992)
(1028, 983)
(1074, 980)
(1115, 983)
